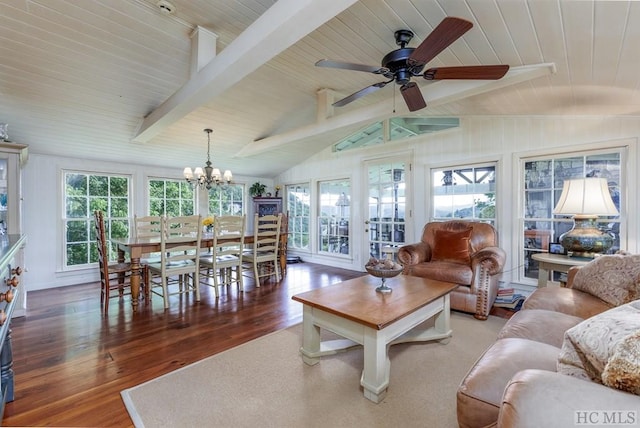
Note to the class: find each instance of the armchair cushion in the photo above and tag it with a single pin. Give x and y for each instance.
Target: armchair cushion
(588, 346)
(452, 246)
(612, 278)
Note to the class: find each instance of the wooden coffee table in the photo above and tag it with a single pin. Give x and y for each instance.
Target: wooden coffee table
(354, 310)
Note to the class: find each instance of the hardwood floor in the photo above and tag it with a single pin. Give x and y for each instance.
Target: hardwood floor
(71, 362)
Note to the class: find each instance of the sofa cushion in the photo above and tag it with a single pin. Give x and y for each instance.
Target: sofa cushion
(480, 392)
(566, 300)
(613, 278)
(539, 325)
(587, 347)
(451, 246)
(623, 368)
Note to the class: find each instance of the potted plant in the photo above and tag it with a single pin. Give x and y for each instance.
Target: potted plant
(257, 189)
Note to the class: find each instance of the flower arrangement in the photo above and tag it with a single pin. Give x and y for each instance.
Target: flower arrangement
(278, 187)
(207, 222)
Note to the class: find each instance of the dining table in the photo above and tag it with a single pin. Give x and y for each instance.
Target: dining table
(137, 247)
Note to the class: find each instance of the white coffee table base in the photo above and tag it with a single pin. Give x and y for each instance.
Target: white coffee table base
(375, 376)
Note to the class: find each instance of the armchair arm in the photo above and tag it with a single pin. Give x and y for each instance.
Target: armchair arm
(413, 254)
(539, 398)
(493, 257)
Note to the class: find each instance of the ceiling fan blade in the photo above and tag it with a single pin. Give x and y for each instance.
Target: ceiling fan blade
(471, 72)
(360, 93)
(350, 66)
(412, 96)
(447, 32)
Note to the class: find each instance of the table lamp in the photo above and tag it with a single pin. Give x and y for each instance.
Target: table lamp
(586, 199)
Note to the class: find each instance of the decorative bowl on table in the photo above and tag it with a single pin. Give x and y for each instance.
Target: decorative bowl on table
(383, 269)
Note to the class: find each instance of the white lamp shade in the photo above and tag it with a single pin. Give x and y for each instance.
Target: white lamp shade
(215, 174)
(188, 174)
(198, 172)
(227, 175)
(586, 196)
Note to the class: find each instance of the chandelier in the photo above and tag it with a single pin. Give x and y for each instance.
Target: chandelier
(210, 175)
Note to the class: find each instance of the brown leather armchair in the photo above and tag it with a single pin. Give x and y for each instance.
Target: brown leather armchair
(462, 252)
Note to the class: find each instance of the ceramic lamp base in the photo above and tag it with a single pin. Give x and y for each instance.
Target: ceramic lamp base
(585, 240)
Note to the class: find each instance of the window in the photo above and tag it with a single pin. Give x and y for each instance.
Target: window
(83, 194)
(299, 208)
(465, 192)
(396, 128)
(226, 200)
(333, 216)
(171, 198)
(543, 179)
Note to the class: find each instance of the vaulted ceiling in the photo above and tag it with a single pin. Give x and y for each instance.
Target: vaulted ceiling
(125, 81)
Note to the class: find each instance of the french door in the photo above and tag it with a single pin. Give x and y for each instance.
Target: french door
(386, 210)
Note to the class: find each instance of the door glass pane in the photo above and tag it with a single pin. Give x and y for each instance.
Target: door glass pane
(386, 206)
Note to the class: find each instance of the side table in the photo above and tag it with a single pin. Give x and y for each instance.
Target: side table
(554, 262)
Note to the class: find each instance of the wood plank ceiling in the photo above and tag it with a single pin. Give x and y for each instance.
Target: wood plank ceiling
(77, 78)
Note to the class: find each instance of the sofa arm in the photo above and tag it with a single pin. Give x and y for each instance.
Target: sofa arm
(571, 275)
(413, 254)
(494, 257)
(539, 398)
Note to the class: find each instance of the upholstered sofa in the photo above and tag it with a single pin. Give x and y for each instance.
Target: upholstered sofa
(570, 350)
(461, 252)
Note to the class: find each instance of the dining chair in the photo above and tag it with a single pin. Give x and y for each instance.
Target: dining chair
(179, 263)
(148, 227)
(283, 244)
(223, 263)
(113, 276)
(263, 255)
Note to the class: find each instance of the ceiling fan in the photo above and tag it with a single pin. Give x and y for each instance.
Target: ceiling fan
(404, 63)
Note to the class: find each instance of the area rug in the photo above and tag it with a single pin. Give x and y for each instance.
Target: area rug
(264, 383)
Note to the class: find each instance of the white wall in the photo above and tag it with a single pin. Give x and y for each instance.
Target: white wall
(479, 139)
(43, 209)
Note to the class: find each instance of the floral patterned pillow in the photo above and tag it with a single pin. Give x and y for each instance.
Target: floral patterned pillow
(623, 368)
(588, 347)
(612, 278)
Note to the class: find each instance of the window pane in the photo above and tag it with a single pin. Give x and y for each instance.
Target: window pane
(84, 194)
(465, 192)
(170, 197)
(299, 208)
(334, 214)
(543, 181)
(226, 200)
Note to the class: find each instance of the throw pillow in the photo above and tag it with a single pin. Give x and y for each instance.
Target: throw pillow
(452, 246)
(588, 346)
(623, 368)
(612, 278)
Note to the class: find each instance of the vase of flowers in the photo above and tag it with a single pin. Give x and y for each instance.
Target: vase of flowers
(207, 222)
(278, 190)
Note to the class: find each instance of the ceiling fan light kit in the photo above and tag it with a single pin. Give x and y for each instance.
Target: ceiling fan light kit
(405, 63)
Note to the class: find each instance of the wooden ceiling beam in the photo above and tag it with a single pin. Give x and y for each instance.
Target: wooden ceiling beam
(282, 25)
